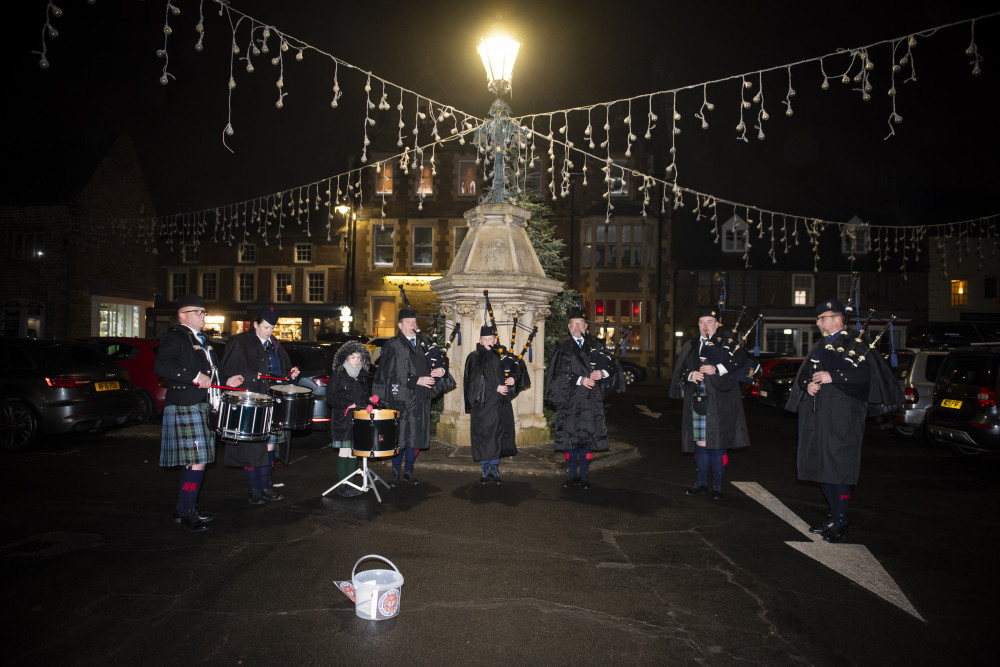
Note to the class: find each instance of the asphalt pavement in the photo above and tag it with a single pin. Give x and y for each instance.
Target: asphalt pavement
(631, 571)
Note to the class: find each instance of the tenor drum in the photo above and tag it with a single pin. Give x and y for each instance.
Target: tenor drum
(375, 433)
(293, 407)
(245, 416)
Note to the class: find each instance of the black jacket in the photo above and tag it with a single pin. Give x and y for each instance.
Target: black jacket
(245, 355)
(179, 359)
(343, 390)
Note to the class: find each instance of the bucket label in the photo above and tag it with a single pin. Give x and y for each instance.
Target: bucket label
(388, 604)
(347, 589)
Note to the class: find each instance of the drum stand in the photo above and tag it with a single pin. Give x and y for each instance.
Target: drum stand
(368, 479)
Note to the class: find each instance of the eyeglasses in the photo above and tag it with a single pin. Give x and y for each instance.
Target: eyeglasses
(196, 312)
(823, 317)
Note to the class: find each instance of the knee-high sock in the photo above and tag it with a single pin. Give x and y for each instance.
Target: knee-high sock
(397, 461)
(346, 466)
(585, 456)
(837, 496)
(717, 461)
(410, 457)
(250, 473)
(702, 464)
(190, 486)
(263, 476)
(272, 454)
(573, 462)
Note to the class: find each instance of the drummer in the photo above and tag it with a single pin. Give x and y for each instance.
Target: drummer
(250, 355)
(346, 392)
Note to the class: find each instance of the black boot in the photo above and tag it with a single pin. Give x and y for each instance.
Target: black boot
(835, 529)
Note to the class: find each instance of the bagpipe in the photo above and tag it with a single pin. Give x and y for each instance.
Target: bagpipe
(860, 348)
(727, 343)
(435, 355)
(512, 365)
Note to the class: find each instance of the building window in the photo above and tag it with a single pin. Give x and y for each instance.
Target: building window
(802, 289)
(189, 253)
(460, 234)
(247, 253)
(383, 179)
(317, 286)
(425, 181)
(959, 293)
(178, 286)
(303, 253)
(26, 245)
(606, 246)
(844, 285)
(245, 287)
(209, 286)
(423, 246)
(619, 178)
(632, 246)
(466, 178)
(384, 316)
(990, 287)
(283, 287)
(854, 240)
(734, 235)
(383, 244)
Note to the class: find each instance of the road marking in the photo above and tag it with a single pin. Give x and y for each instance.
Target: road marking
(645, 410)
(853, 561)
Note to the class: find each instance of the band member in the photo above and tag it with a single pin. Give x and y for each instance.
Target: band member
(489, 391)
(833, 396)
(405, 382)
(346, 392)
(186, 361)
(580, 373)
(706, 376)
(250, 355)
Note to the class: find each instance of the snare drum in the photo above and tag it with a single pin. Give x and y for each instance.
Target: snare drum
(293, 406)
(375, 433)
(245, 416)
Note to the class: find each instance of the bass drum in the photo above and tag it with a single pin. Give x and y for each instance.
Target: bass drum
(245, 416)
(293, 407)
(375, 433)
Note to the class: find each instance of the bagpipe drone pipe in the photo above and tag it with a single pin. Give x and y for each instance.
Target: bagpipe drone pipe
(435, 355)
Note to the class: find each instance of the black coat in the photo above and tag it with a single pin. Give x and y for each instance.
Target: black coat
(493, 433)
(725, 423)
(580, 418)
(179, 359)
(343, 390)
(245, 355)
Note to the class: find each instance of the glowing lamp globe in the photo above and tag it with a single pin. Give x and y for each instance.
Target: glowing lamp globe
(498, 55)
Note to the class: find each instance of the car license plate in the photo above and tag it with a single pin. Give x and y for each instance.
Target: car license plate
(763, 393)
(951, 403)
(106, 386)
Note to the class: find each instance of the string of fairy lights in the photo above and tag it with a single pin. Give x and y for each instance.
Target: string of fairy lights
(568, 134)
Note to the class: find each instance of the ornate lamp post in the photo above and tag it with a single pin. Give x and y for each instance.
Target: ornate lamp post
(499, 132)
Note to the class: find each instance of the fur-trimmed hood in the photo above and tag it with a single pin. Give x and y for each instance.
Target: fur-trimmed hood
(349, 348)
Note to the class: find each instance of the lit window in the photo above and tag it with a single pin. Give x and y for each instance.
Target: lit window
(425, 182)
(317, 286)
(247, 253)
(802, 289)
(466, 177)
(383, 244)
(189, 253)
(303, 253)
(246, 284)
(283, 287)
(383, 180)
(26, 245)
(423, 246)
(734, 235)
(209, 286)
(959, 292)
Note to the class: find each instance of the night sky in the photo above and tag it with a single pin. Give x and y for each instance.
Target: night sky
(828, 160)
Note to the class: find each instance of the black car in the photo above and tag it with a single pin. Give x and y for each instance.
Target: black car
(776, 387)
(632, 372)
(52, 387)
(964, 414)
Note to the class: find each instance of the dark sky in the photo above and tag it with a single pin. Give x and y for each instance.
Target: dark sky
(828, 160)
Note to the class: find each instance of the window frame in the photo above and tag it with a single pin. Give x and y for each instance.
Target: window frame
(424, 181)
(175, 292)
(288, 295)
(381, 180)
(215, 287)
(303, 248)
(189, 253)
(247, 253)
(737, 230)
(808, 297)
(389, 228)
(252, 279)
(427, 244)
(460, 188)
(310, 275)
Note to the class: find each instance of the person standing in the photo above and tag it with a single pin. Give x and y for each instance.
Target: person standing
(186, 361)
(580, 373)
(833, 396)
(405, 382)
(706, 377)
(489, 391)
(250, 355)
(346, 392)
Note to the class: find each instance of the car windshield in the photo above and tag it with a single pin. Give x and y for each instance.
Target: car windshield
(311, 358)
(971, 370)
(74, 356)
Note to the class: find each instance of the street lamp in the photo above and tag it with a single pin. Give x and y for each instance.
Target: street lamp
(499, 134)
(350, 245)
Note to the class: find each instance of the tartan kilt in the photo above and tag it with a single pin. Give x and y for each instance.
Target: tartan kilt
(698, 426)
(187, 437)
(342, 444)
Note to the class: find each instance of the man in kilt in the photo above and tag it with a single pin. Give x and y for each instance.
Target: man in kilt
(186, 361)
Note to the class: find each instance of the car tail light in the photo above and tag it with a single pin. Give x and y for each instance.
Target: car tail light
(321, 380)
(987, 397)
(911, 396)
(67, 381)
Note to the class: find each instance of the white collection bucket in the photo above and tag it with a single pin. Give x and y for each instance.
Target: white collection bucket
(376, 593)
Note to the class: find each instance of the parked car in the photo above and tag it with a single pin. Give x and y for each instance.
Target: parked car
(632, 372)
(138, 357)
(776, 387)
(315, 362)
(771, 366)
(916, 371)
(52, 387)
(964, 415)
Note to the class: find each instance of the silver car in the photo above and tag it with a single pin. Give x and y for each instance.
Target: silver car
(916, 372)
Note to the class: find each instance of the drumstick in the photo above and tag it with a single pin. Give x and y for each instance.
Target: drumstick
(222, 386)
